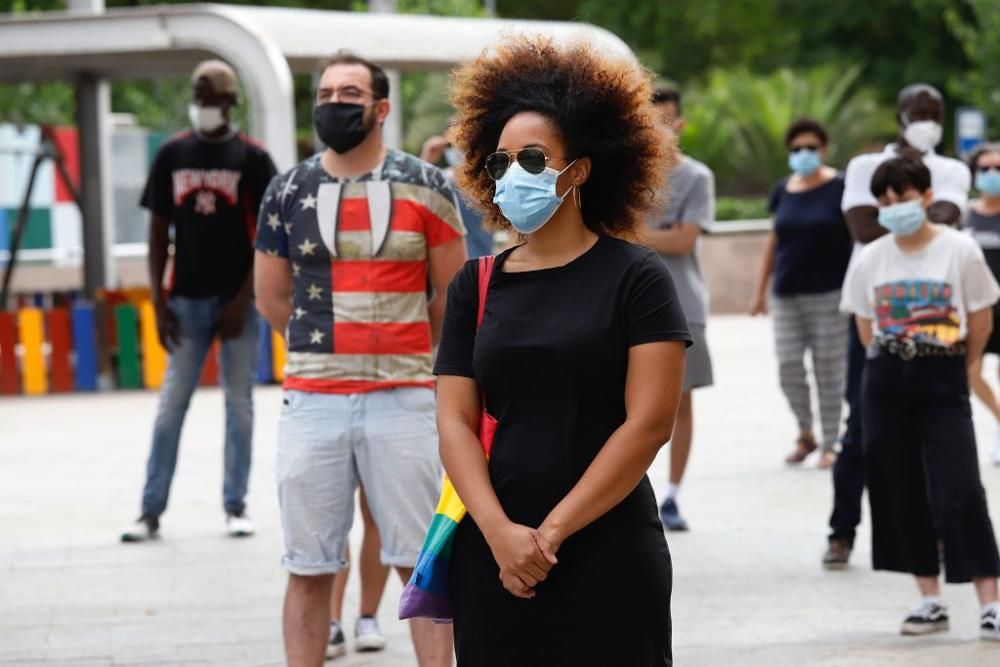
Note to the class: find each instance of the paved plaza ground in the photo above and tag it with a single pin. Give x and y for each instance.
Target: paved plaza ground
(748, 586)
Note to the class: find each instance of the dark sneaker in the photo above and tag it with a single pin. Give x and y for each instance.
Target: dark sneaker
(336, 647)
(145, 528)
(989, 624)
(927, 618)
(837, 554)
(671, 516)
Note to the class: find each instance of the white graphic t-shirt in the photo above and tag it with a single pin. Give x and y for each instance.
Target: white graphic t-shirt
(923, 296)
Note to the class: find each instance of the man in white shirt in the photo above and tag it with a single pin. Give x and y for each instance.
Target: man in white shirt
(919, 114)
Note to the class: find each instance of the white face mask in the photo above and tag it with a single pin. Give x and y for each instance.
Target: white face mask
(206, 119)
(923, 134)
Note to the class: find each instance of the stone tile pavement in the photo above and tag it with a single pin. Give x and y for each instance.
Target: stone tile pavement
(748, 586)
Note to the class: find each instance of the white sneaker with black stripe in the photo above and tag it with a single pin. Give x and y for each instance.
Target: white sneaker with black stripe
(989, 623)
(928, 617)
(145, 528)
(336, 646)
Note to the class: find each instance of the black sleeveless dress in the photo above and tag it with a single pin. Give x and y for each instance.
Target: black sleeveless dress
(552, 357)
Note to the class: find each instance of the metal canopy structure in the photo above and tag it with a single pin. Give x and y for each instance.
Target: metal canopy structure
(265, 44)
(89, 47)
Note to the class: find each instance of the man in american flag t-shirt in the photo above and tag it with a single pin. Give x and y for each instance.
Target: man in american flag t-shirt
(348, 243)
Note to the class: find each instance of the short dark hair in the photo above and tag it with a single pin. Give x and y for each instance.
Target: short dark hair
(806, 126)
(380, 82)
(910, 93)
(981, 150)
(900, 174)
(668, 95)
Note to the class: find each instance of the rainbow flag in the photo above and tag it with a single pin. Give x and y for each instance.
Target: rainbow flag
(426, 594)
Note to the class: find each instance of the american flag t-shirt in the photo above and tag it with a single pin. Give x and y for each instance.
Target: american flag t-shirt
(358, 252)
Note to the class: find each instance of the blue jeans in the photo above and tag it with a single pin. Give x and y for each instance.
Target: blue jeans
(197, 321)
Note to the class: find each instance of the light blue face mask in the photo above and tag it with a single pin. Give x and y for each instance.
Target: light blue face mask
(988, 182)
(804, 161)
(903, 219)
(528, 200)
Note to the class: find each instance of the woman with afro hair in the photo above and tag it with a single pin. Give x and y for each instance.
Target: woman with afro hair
(562, 559)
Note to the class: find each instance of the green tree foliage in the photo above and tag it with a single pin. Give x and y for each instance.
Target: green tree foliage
(897, 41)
(748, 67)
(736, 120)
(979, 33)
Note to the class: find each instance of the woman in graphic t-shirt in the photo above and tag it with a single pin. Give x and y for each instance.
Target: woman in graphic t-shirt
(807, 254)
(983, 222)
(922, 297)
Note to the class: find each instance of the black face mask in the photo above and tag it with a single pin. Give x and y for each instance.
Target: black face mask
(341, 125)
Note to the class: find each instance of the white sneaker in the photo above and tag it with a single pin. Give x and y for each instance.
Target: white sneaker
(367, 635)
(336, 647)
(989, 623)
(238, 525)
(928, 617)
(995, 456)
(144, 528)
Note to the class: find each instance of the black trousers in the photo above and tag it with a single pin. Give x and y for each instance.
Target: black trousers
(923, 472)
(849, 470)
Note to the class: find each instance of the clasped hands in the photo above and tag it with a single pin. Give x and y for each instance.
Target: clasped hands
(525, 556)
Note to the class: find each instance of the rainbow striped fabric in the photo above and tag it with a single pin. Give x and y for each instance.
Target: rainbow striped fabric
(426, 594)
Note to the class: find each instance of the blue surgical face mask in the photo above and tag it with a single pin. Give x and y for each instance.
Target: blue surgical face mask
(903, 219)
(804, 161)
(988, 182)
(528, 200)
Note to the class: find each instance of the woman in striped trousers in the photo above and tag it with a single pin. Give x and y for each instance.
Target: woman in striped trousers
(807, 254)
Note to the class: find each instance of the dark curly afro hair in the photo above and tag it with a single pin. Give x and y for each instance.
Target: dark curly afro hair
(601, 105)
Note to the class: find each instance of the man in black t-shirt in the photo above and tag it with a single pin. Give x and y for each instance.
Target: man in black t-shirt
(206, 186)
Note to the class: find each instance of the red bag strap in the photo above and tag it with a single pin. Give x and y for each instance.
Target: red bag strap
(485, 271)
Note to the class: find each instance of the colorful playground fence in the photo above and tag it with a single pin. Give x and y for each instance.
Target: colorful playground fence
(69, 346)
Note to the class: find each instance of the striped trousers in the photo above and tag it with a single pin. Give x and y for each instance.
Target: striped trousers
(813, 323)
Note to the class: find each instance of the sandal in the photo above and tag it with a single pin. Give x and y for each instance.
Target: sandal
(804, 446)
(827, 459)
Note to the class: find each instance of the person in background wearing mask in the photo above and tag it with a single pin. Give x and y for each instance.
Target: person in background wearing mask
(807, 254)
(983, 222)
(205, 185)
(919, 114)
(347, 243)
(478, 241)
(922, 298)
(674, 235)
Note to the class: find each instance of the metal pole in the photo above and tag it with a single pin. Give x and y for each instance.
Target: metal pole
(93, 105)
(392, 132)
(491, 7)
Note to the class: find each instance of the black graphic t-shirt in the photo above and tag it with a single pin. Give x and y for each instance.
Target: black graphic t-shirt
(985, 229)
(211, 192)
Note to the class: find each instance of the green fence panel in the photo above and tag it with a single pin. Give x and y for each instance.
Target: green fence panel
(127, 327)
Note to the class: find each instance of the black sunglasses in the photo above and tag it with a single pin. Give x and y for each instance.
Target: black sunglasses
(532, 160)
(803, 147)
